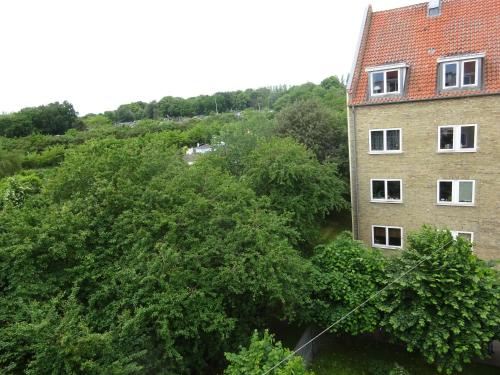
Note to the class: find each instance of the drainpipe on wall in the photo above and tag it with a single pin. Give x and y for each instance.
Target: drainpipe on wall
(353, 164)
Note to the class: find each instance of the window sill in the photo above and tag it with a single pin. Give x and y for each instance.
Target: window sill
(460, 89)
(384, 152)
(385, 95)
(455, 204)
(449, 151)
(387, 247)
(386, 201)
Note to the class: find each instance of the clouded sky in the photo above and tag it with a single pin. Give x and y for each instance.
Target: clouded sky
(99, 54)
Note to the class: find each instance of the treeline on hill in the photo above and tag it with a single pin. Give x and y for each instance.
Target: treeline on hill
(330, 91)
(54, 118)
(118, 257)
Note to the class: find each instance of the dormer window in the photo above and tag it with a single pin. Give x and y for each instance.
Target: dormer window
(434, 8)
(386, 80)
(460, 72)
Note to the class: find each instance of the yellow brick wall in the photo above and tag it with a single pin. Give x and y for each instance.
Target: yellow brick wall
(420, 166)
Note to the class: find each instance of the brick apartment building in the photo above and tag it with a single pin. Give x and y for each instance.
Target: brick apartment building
(424, 123)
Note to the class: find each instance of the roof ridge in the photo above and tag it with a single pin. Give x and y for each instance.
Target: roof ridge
(399, 8)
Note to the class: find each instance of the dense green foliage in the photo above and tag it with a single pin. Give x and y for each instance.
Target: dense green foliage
(261, 355)
(318, 128)
(346, 273)
(138, 261)
(296, 183)
(331, 92)
(54, 118)
(447, 308)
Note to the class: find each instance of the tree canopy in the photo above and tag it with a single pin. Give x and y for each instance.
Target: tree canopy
(135, 260)
(54, 118)
(447, 307)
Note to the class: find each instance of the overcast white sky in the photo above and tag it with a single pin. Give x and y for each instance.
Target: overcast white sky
(99, 54)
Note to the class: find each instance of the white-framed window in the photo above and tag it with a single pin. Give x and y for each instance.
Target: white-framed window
(460, 71)
(385, 82)
(456, 192)
(386, 190)
(387, 237)
(457, 138)
(384, 141)
(469, 73)
(450, 75)
(469, 236)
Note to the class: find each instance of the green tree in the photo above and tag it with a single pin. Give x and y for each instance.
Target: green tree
(295, 182)
(317, 128)
(346, 273)
(54, 118)
(447, 307)
(129, 260)
(261, 355)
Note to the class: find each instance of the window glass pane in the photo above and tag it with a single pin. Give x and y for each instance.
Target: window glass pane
(467, 136)
(469, 73)
(394, 190)
(465, 236)
(378, 83)
(379, 235)
(465, 192)
(446, 138)
(392, 81)
(393, 140)
(394, 237)
(445, 191)
(450, 75)
(377, 140)
(378, 189)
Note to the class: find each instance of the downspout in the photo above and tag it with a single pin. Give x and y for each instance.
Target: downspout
(351, 121)
(353, 173)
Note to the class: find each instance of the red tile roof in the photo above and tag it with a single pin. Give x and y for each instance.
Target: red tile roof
(408, 35)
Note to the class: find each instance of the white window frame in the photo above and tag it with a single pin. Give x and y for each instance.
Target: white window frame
(386, 246)
(476, 73)
(455, 233)
(455, 186)
(385, 82)
(386, 200)
(457, 134)
(459, 62)
(385, 151)
(444, 75)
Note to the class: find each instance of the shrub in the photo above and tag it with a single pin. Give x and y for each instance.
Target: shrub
(447, 307)
(346, 273)
(47, 158)
(10, 163)
(261, 355)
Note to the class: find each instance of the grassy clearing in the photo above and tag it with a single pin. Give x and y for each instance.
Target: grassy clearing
(364, 356)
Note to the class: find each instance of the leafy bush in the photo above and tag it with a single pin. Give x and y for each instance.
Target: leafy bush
(10, 162)
(261, 355)
(447, 308)
(14, 190)
(346, 273)
(398, 370)
(49, 157)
